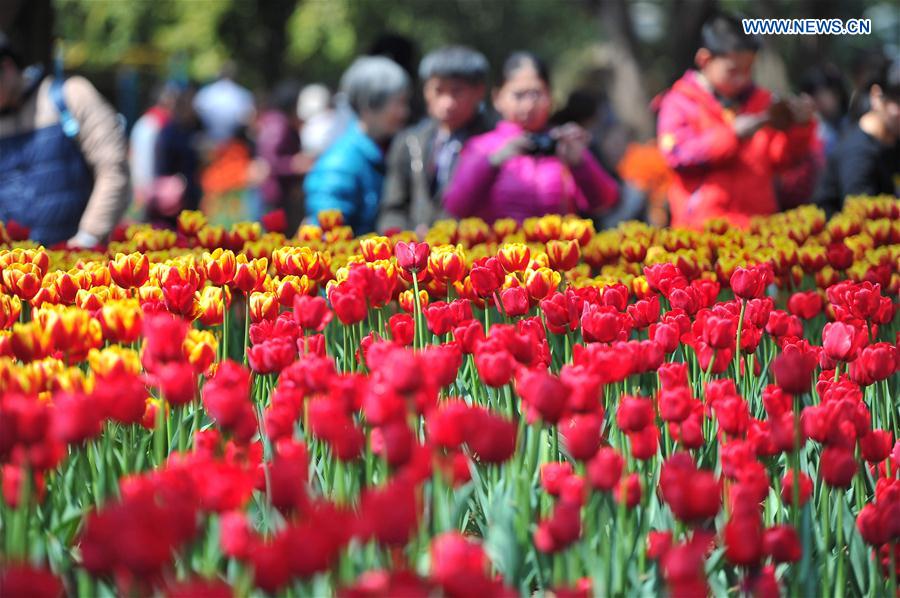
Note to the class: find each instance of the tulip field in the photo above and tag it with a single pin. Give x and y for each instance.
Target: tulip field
(492, 410)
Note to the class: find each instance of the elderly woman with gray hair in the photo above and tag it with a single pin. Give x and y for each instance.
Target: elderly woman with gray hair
(350, 174)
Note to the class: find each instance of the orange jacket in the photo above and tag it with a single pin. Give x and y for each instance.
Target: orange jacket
(718, 175)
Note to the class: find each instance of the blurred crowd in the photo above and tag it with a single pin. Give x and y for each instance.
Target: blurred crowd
(469, 146)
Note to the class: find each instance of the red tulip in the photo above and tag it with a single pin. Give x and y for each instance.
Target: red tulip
(495, 367)
(272, 355)
(682, 567)
(837, 466)
(163, 339)
(208, 588)
(22, 579)
(275, 221)
(634, 413)
(793, 371)
(843, 341)
(439, 317)
(543, 394)
(514, 301)
(311, 313)
(744, 540)
(491, 438)
(605, 469)
(629, 490)
(665, 277)
(644, 443)
(782, 543)
(666, 335)
(644, 312)
(751, 282)
(839, 255)
(403, 329)
(675, 404)
(412, 256)
(787, 488)
(719, 332)
(484, 281)
(459, 565)
(658, 544)
(880, 361)
(581, 435)
(876, 445)
(349, 303)
(806, 305)
(177, 382)
(602, 324)
(469, 335)
(76, 418)
(561, 529)
(692, 494)
(871, 525)
(226, 396)
(561, 312)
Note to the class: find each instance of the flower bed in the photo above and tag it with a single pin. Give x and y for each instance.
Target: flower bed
(498, 410)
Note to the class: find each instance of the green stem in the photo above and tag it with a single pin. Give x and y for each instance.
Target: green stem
(246, 328)
(19, 532)
(159, 433)
(892, 569)
(737, 345)
(839, 544)
(225, 325)
(419, 334)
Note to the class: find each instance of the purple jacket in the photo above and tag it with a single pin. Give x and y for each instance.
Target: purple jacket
(524, 186)
(277, 142)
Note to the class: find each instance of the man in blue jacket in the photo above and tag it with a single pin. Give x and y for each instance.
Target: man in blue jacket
(350, 175)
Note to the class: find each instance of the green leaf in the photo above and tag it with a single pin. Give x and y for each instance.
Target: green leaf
(500, 542)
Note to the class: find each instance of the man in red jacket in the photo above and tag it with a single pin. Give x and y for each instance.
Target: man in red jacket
(725, 137)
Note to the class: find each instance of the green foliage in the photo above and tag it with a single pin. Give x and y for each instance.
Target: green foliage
(314, 39)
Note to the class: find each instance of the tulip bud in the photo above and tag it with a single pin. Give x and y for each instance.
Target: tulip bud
(263, 306)
(375, 248)
(190, 222)
(514, 257)
(563, 255)
(250, 275)
(330, 219)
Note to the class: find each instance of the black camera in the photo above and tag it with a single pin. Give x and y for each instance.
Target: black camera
(542, 144)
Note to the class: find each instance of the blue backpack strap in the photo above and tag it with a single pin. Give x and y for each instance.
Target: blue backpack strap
(68, 122)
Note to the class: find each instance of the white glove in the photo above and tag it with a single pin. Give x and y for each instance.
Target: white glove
(84, 240)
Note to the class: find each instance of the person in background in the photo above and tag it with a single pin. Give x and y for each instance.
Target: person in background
(350, 175)
(63, 156)
(584, 109)
(142, 142)
(521, 168)
(825, 86)
(224, 107)
(278, 147)
(422, 158)
(725, 137)
(176, 183)
(321, 122)
(866, 160)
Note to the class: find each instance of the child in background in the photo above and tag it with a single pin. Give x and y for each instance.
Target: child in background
(725, 137)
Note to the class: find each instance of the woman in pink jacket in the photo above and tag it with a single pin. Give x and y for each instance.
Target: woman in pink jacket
(521, 169)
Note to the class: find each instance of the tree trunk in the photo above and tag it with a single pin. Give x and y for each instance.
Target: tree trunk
(628, 94)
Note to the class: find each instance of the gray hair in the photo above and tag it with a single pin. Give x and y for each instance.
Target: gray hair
(455, 62)
(371, 81)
